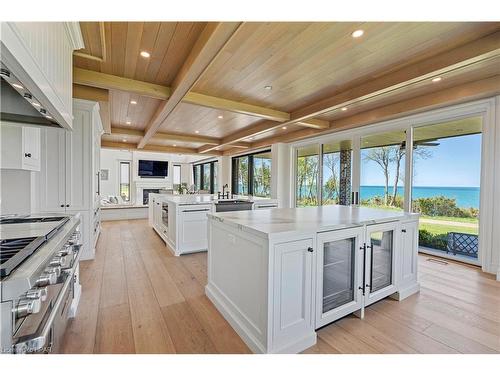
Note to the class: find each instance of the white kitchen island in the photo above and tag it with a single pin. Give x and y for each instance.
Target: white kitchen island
(279, 275)
(181, 220)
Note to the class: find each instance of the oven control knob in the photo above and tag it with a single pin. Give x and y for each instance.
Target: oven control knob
(40, 293)
(54, 269)
(46, 278)
(25, 308)
(63, 261)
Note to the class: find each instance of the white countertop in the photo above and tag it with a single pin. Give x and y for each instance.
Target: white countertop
(191, 199)
(309, 219)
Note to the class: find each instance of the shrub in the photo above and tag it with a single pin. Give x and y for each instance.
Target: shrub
(435, 241)
(442, 206)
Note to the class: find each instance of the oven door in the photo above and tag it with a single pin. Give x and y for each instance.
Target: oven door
(47, 336)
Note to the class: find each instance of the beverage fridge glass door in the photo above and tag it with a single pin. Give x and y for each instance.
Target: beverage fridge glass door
(339, 275)
(380, 261)
(164, 214)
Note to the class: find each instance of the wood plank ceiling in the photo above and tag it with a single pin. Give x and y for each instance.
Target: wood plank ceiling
(252, 84)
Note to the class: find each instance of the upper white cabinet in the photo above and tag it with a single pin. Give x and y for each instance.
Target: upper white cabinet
(40, 55)
(20, 147)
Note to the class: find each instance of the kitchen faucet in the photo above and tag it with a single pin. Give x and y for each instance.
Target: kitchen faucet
(224, 194)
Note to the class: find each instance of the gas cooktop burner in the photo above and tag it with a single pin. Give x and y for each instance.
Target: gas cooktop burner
(13, 251)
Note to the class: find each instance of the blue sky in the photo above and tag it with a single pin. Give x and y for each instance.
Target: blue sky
(455, 162)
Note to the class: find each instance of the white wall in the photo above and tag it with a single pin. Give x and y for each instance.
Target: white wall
(15, 192)
(110, 160)
(281, 167)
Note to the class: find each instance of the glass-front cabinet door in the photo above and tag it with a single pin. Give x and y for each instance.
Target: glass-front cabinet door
(380, 270)
(339, 266)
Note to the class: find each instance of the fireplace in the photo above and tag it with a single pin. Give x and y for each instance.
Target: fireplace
(145, 195)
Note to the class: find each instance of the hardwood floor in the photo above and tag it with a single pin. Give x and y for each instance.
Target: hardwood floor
(138, 298)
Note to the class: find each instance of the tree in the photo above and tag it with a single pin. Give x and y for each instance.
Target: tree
(382, 156)
(331, 161)
(390, 158)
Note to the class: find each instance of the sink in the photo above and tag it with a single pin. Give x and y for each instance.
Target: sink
(233, 205)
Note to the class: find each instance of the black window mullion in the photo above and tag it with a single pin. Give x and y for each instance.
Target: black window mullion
(212, 178)
(250, 175)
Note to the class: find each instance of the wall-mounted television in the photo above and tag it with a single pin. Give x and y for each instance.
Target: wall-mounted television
(153, 168)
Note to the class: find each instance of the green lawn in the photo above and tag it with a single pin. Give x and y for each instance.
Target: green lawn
(451, 218)
(445, 229)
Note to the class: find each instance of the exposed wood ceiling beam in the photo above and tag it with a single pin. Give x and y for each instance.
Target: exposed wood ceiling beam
(112, 82)
(453, 95)
(98, 95)
(216, 142)
(167, 136)
(467, 54)
(208, 46)
(96, 79)
(475, 52)
(153, 148)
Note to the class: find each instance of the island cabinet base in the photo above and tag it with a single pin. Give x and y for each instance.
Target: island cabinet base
(276, 289)
(264, 288)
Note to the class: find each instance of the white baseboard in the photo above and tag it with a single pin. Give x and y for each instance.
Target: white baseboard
(406, 292)
(219, 301)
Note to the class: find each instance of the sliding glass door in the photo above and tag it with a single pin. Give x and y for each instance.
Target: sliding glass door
(432, 168)
(446, 185)
(382, 159)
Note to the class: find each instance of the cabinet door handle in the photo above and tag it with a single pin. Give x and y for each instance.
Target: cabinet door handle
(364, 268)
(27, 155)
(403, 230)
(67, 205)
(310, 249)
(62, 205)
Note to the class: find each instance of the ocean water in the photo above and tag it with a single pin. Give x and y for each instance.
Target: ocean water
(465, 196)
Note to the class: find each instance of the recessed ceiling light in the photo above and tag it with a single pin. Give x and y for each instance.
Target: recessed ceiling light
(35, 104)
(175, 145)
(284, 128)
(128, 122)
(220, 116)
(344, 108)
(49, 117)
(357, 33)
(437, 79)
(18, 86)
(268, 87)
(145, 54)
(197, 131)
(124, 140)
(133, 102)
(250, 138)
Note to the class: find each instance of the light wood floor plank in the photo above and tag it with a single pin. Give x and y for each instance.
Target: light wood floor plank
(187, 333)
(138, 297)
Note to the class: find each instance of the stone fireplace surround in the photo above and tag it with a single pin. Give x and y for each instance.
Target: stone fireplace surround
(141, 185)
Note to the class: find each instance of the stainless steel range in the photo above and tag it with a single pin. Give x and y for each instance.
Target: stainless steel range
(39, 289)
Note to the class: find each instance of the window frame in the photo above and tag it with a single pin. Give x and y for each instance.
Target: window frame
(234, 177)
(173, 173)
(120, 162)
(200, 184)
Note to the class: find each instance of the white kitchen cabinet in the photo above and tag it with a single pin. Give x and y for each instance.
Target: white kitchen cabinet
(293, 291)
(192, 227)
(380, 261)
(339, 270)
(40, 55)
(66, 181)
(408, 281)
(265, 204)
(20, 147)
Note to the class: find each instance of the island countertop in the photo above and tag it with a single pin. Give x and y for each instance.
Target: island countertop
(192, 199)
(308, 219)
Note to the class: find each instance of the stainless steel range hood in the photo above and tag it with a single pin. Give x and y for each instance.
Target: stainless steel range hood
(19, 105)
